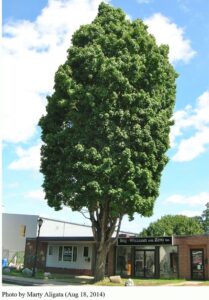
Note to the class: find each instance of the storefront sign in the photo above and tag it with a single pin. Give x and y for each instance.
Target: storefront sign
(165, 240)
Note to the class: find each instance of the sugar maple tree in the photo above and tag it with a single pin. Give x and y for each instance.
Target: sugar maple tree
(106, 129)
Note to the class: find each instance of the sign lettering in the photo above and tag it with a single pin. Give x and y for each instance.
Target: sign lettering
(165, 240)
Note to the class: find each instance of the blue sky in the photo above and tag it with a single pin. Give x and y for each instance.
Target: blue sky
(36, 35)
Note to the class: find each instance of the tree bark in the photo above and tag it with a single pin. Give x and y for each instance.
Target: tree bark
(101, 255)
(103, 229)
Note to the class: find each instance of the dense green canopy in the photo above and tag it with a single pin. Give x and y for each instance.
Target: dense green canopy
(107, 123)
(106, 130)
(205, 218)
(173, 225)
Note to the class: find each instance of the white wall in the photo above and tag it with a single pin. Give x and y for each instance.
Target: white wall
(12, 241)
(80, 263)
(61, 228)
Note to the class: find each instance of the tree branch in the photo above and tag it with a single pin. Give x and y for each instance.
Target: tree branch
(83, 214)
(94, 225)
(118, 231)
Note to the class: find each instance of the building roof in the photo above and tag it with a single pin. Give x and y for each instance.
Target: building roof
(66, 222)
(192, 236)
(79, 224)
(64, 239)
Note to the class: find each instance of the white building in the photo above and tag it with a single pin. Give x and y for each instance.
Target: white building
(17, 227)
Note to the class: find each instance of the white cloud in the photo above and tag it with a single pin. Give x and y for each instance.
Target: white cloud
(28, 159)
(199, 199)
(31, 53)
(190, 213)
(190, 148)
(197, 120)
(35, 195)
(169, 33)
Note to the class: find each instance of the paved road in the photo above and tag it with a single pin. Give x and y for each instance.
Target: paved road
(8, 284)
(10, 280)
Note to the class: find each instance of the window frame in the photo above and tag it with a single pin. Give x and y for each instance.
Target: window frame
(50, 250)
(60, 253)
(22, 230)
(174, 261)
(86, 249)
(65, 255)
(74, 253)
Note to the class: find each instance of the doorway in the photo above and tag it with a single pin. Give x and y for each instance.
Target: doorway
(145, 263)
(197, 264)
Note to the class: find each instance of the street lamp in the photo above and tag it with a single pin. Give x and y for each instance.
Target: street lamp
(40, 222)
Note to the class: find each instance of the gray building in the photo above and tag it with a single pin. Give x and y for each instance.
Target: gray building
(15, 229)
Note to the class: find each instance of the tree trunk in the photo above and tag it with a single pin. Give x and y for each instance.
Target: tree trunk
(101, 254)
(103, 228)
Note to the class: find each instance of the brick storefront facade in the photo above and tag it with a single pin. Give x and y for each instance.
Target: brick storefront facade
(185, 245)
(42, 260)
(30, 254)
(75, 272)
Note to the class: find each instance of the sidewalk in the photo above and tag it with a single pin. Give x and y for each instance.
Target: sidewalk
(186, 283)
(32, 281)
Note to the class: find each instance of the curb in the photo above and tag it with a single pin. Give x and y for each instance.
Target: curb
(34, 282)
(29, 281)
(19, 282)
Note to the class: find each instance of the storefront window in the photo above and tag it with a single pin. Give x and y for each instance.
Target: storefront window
(74, 253)
(60, 253)
(67, 253)
(50, 250)
(86, 251)
(123, 266)
(168, 261)
(174, 262)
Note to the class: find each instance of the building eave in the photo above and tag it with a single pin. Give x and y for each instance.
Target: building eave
(63, 239)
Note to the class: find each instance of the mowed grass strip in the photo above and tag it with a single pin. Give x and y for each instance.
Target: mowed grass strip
(142, 282)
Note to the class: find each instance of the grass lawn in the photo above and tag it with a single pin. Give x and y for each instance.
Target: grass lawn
(18, 273)
(59, 277)
(72, 279)
(142, 282)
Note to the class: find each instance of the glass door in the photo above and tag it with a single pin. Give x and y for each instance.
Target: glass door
(145, 263)
(197, 264)
(139, 263)
(149, 264)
